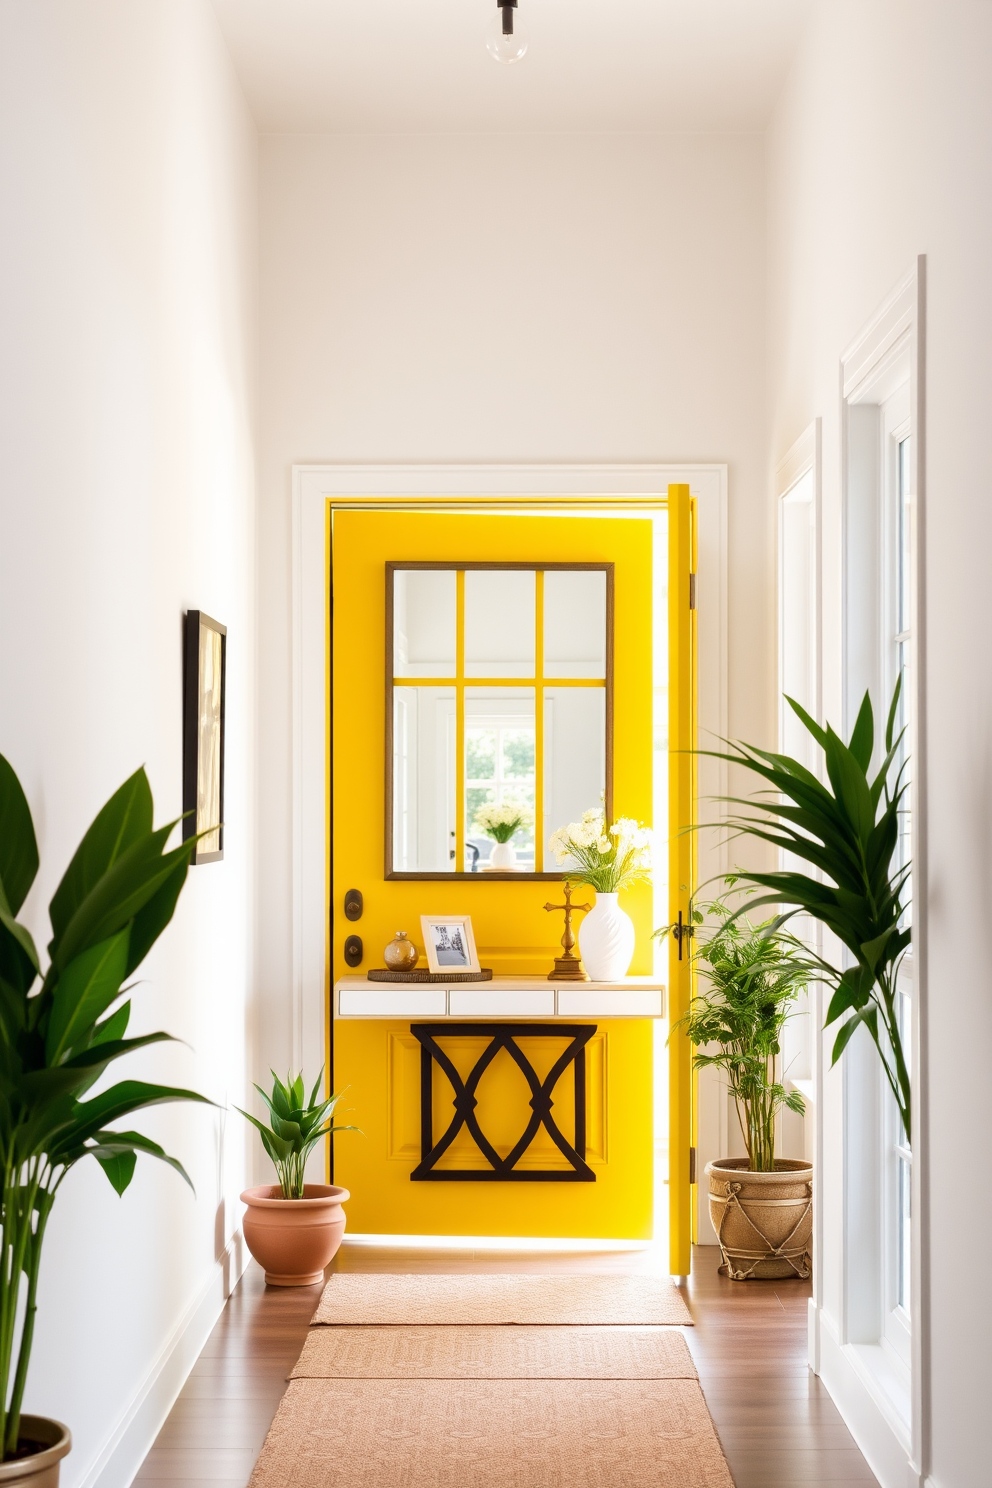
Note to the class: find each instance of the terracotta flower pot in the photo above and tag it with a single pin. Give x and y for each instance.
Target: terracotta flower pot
(41, 1469)
(294, 1238)
(764, 1221)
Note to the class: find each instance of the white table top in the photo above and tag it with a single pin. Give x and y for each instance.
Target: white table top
(516, 998)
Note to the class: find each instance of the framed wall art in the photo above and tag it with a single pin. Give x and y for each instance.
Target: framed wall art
(205, 668)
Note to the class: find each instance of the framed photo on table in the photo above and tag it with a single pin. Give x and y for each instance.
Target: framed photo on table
(205, 685)
(449, 943)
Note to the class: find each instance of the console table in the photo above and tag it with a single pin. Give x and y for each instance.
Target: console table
(516, 999)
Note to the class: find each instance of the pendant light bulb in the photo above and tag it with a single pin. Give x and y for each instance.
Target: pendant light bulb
(505, 41)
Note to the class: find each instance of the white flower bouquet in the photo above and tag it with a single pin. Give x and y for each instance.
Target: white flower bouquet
(608, 859)
(500, 822)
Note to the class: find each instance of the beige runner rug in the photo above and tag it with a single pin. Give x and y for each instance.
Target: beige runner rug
(495, 1353)
(534, 1433)
(351, 1298)
(419, 1389)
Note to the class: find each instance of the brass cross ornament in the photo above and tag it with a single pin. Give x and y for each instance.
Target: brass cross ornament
(568, 967)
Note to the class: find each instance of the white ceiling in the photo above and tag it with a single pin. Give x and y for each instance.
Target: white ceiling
(422, 65)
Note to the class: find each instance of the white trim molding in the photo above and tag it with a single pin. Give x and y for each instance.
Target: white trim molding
(885, 1405)
(316, 488)
(143, 1416)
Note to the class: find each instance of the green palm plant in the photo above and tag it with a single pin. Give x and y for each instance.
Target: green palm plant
(60, 1031)
(295, 1127)
(848, 831)
(754, 975)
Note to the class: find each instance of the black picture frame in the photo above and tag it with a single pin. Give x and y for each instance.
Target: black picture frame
(204, 731)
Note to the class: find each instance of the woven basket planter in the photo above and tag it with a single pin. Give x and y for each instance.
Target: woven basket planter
(764, 1221)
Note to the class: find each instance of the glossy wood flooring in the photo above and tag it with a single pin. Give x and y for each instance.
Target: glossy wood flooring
(778, 1426)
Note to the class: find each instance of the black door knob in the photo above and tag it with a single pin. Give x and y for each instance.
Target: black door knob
(353, 904)
(354, 950)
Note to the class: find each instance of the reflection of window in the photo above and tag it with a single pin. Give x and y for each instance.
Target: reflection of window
(500, 770)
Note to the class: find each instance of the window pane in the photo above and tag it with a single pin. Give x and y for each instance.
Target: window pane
(499, 622)
(574, 623)
(903, 556)
(423, 779)
(424, 622)
(499, 730)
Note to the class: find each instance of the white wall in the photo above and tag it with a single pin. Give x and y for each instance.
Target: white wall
(127, 357)
(506, 298)
(882, 149)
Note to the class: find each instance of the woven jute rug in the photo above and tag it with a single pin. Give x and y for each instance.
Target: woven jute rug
(534, 1433)
(551, 1300)
(456, 1353)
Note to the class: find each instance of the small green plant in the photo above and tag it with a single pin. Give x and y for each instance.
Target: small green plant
(62, 1028)
(295, 1127)
(847, 831)
(755, 975)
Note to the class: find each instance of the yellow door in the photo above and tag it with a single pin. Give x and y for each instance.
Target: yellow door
(681, 868)
(378, 1062)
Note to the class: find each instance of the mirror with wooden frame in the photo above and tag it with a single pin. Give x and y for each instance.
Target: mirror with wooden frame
(499, 693)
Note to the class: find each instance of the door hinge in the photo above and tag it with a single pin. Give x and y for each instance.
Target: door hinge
(692, 591)
(692, 1165)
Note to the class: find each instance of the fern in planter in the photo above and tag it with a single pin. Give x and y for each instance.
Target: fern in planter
(848, 831)
(62, 1027)
(754, 976)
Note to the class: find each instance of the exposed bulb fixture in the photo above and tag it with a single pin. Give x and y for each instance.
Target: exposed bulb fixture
(505, 42)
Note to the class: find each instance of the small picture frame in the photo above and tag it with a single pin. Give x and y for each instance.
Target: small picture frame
(449, 943)
(204, 705)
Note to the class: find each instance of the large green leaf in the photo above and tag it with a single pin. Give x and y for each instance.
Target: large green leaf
(118, 1166)
(110, 1144)
(84, 991)
(120, 1100)
(122, 822)
(125, 889)
(18, 956)
(150, 921)
(18, 845)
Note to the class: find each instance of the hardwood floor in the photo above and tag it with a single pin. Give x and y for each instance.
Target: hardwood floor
(777, 1424)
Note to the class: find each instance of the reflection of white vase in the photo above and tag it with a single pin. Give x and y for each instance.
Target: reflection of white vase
(503, 856)
(606, 940)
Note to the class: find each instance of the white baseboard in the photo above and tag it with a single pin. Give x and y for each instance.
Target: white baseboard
(141, 1419)
(865, 1405)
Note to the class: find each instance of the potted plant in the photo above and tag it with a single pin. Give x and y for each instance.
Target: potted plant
(760, 1205)
(501, 823)
(61, 1028)
(608, 860)
(847, 830)
(294, 1228)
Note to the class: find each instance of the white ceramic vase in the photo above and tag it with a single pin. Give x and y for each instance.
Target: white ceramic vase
(606, 940)
(503, 857)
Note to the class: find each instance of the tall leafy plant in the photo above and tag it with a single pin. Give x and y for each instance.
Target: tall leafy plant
(752, 976)
(847, 829)
(61, 1028)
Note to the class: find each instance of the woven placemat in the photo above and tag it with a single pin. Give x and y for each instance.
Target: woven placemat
(381, 974)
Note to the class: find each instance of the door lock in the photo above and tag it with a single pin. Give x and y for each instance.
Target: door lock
(354, 904)
(353, 950)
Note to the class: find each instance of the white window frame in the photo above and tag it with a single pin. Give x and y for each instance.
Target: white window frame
(886, 357)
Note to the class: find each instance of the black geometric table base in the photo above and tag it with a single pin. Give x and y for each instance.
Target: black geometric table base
(502, 1036)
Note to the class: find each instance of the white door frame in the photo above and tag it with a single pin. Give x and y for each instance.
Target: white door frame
(316, 486)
